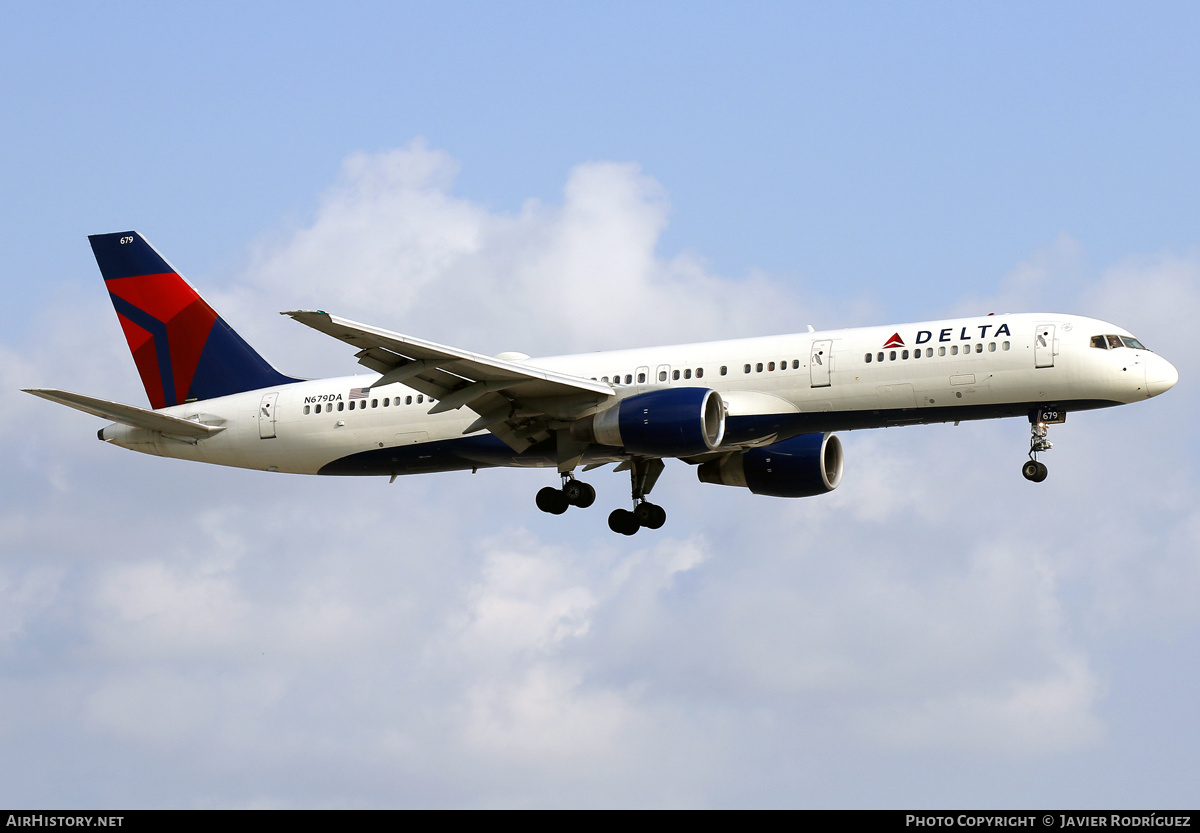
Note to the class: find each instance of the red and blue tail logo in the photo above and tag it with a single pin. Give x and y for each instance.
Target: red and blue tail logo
(182, 348)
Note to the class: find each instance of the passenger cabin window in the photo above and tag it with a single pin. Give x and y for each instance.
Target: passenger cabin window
(675, 374)
(699, 372)
(724, 370)
(641, 378)
(662, 375)
(747, 368)
(687, 374)
(867, 358)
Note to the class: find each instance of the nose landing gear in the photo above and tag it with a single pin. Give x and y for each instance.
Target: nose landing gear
(1039, 421)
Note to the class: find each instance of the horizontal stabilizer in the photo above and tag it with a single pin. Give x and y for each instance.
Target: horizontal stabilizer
(128, 414)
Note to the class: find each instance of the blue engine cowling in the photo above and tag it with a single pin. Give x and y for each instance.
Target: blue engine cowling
(673, 422)
(810, 464)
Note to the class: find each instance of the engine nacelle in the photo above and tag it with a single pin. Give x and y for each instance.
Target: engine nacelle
(673, 422)
(810, 464)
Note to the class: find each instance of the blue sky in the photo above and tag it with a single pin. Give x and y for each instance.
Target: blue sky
(550, 177)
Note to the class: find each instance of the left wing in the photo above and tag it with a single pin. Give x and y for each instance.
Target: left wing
(519, 403)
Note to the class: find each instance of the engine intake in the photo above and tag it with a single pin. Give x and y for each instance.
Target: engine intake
(674, 422)
(810, 464)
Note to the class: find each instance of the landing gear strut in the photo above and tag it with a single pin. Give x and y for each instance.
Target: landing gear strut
(642, 475)
(573, 493)
(1034, 470)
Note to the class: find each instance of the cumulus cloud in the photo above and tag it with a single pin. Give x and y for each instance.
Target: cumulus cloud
(286, 641)
(393, 245)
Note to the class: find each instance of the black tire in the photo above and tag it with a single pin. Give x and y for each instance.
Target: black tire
(1030, 471)
(623, 522)
(579, 494)
(649, 515)
(552, 500)
(1042, 473)
(660, 518)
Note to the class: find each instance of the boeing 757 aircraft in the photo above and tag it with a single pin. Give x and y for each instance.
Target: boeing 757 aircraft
(754, 413)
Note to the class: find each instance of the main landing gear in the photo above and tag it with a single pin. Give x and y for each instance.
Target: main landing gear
(573, 493)
(1034, 470)
(642, 475)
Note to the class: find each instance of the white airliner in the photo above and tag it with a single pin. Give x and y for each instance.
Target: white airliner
(756, 413)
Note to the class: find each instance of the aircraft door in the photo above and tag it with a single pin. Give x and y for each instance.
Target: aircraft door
(1043, 346)
(266, 416)
(819, 359)
(642, 379)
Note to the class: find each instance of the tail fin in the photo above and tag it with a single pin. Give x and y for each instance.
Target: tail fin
(182, 348)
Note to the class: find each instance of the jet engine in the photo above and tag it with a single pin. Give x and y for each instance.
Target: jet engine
(810, 464)
(674, 422)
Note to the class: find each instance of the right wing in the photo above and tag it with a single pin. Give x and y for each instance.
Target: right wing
(519, 403)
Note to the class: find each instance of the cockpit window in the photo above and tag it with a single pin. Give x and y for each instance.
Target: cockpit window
(1112, 342)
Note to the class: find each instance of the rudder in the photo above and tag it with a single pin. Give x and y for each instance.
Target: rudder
(182, 348)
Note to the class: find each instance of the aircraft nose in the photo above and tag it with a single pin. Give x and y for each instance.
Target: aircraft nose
(1161, 375)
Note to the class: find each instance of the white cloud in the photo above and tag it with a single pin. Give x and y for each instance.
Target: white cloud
(392, 245)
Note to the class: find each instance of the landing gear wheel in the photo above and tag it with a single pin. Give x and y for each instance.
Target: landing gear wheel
(579, 494)
(1034, 471)
(650, 515)
(552, 500)
(623, 521)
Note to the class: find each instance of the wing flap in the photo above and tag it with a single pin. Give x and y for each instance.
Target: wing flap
(128, 414)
